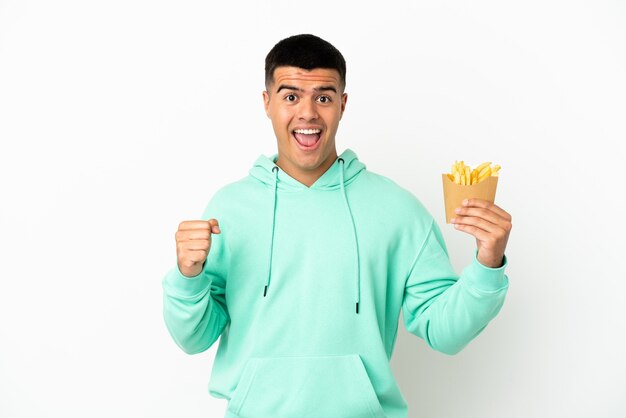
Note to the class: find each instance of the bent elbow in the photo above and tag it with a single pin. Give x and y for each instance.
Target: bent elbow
(454, 345)
(450, 350)
(195, 344)
(192, 349)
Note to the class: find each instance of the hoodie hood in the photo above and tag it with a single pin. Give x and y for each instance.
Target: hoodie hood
(263, 170)
(343, 172)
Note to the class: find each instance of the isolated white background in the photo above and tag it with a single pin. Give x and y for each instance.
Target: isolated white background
(120, 119)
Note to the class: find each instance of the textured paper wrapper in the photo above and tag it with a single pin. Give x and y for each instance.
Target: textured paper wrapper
(454, 194)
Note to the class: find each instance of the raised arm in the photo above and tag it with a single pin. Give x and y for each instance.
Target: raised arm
(446, 310)
(194, 306)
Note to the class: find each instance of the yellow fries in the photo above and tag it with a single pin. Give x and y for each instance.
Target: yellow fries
(464, 175)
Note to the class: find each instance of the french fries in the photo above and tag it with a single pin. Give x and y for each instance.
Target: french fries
(464, 175)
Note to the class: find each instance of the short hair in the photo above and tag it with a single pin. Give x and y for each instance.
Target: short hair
(304, 51)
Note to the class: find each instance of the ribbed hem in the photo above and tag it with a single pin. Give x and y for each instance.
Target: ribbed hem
(486, 279)
(182, 285)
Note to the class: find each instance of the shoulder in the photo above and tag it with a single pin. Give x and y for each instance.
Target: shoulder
(399, 215)
(396, 198)
(232, 195)
(236, 189)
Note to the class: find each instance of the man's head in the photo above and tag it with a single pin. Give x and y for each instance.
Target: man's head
(305, 99)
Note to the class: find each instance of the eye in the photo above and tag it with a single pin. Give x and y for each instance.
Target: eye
(291, 97)
(324, 99)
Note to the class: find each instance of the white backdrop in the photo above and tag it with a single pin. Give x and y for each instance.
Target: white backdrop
(120, 119)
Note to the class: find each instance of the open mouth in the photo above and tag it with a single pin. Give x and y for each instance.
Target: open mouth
(307, 138)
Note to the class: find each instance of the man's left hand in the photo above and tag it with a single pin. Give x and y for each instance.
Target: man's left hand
(489, 224)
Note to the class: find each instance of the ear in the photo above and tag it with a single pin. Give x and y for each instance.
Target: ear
(344, 100)
(266, 102)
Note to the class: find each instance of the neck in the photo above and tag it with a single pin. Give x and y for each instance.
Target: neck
(307, 177)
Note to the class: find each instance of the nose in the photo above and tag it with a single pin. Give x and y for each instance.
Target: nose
(307, 110)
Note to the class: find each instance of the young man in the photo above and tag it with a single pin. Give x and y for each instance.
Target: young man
(302, 267)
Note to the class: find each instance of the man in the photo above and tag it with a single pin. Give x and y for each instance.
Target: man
(302, 267)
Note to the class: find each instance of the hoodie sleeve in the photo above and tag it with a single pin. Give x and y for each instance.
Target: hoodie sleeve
(446, 310)
(194, 308)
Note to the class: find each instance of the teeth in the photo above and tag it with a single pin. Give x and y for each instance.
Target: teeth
(308, 131)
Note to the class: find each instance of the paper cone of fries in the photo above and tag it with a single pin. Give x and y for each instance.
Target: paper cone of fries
(454, 194)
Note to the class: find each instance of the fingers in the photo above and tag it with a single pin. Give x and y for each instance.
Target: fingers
(486, 225)
(194, 229)
(477, 214)
(489, 224)
(485, 215)
(485, 204)
(479, 233)
(215, 228)
(477, 222)
(191, 225)
(186, 246)
(184, 235)
(193, 243)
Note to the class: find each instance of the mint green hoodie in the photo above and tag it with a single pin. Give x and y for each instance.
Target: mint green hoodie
(305, 285)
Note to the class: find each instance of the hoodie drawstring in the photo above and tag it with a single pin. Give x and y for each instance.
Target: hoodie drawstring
(269, 271)
(356, 241)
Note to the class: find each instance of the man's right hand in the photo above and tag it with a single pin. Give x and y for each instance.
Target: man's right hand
(193, 241)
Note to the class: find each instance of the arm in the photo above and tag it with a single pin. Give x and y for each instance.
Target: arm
(446, 310)
(194, 304)
(194, 310)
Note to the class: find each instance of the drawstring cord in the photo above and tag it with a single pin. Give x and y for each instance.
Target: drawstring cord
(269, 270)
(356, 241)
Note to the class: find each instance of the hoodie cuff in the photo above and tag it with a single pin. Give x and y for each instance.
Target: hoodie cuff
(486, 279)
(178, 283)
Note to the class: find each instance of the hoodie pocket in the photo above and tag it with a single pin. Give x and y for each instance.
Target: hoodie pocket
(300, 387)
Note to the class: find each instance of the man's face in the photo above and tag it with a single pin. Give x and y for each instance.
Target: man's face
(305, 108)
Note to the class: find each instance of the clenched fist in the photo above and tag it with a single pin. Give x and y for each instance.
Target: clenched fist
(193, 242)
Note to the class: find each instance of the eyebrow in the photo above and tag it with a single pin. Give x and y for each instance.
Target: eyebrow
(321, 88)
